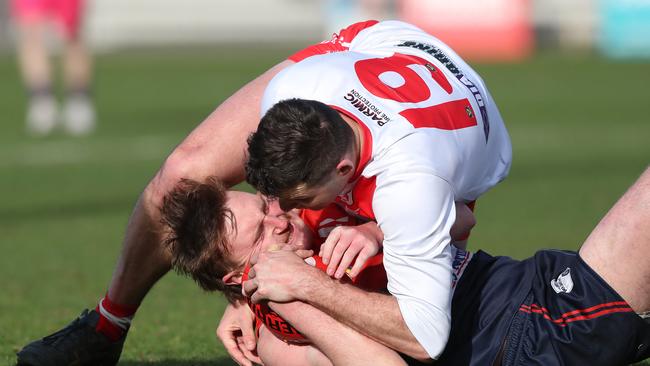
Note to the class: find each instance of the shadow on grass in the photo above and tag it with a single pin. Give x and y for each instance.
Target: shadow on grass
(219, 361)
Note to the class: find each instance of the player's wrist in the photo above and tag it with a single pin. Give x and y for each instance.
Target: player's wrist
(316, 281)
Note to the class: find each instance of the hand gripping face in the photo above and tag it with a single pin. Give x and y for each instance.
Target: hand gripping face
(372, 277)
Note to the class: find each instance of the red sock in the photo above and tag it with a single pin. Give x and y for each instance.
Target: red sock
(114, 319)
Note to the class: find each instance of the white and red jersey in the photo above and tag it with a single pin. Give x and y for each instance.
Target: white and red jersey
(432, 135)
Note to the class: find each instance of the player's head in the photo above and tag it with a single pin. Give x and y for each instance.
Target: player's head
(213, 232)
(302, 153)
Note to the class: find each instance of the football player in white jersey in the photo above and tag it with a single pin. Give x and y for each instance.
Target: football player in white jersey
(393, 126)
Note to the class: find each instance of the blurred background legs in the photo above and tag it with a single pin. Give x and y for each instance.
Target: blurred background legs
(34, 20)
(35, 68)
(78, 113)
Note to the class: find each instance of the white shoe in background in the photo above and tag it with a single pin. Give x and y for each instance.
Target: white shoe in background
(42, 114)
(78, 115)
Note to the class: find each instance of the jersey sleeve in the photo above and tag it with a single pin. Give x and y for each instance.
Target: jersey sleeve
(415, 210)
(339, 42)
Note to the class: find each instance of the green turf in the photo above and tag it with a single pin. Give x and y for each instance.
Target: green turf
(579, 128)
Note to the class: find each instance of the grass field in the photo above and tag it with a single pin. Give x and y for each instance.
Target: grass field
(580, 133)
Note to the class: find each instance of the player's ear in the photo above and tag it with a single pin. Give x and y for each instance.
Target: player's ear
(232, 278)
(345, 167)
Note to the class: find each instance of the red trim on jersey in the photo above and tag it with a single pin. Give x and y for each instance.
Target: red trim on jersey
(579, 314)
(339, 41)
(452, 115)
(366, 144)
(358, 201)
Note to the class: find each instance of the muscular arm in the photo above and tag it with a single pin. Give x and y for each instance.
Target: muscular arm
(285, 277)
(341, 344)
(216, 147)
(373, 314)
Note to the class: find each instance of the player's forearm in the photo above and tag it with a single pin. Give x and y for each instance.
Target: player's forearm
(142, 260)
(273, 351)
(342, 345)
(373, 314)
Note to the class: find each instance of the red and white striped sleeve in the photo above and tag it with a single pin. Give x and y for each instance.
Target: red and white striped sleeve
(339, 42)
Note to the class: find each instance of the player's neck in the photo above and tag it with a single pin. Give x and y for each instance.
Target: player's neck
(357, 141)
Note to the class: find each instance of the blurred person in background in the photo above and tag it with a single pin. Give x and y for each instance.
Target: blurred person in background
(33, 20)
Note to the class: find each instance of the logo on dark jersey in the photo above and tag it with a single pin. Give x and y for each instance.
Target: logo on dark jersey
(563, 283)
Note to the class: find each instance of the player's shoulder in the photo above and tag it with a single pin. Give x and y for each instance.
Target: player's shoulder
(360, 36)
(339, 41)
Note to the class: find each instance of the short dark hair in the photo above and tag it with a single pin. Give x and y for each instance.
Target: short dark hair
(298, 141)
(199, 222)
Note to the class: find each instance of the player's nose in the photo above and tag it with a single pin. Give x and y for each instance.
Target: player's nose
(277, 222)
(274, 208)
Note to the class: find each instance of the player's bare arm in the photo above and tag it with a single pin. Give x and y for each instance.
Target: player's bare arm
(275, 351)
(341, 344)
(216, 147)
(283, 276)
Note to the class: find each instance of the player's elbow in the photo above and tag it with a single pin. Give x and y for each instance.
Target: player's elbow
(177, 166)
(421, 355)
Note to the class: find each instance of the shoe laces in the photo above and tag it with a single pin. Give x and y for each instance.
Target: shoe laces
(69, 333)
